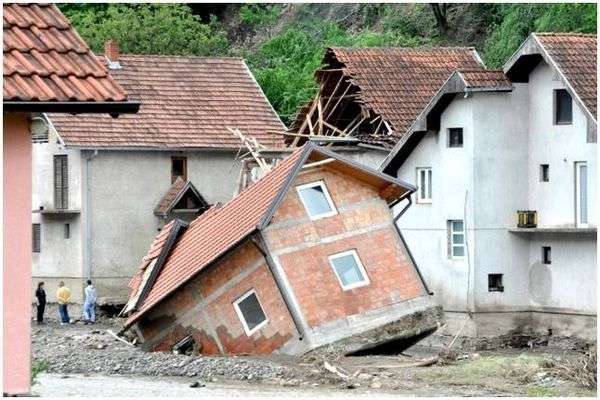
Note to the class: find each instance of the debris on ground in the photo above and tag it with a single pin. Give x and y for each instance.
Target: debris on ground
(581, 369)
(451, 369)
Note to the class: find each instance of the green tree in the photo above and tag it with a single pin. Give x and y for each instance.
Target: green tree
(519, 20)
(147, 28)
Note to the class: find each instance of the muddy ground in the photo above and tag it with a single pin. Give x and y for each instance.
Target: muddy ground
(477, 368)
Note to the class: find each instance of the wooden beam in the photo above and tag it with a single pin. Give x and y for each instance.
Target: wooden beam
(356, 126)
(338, 102)
(334, 91)
(318, 163)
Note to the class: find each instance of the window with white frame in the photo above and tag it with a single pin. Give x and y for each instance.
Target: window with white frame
(581, 194)
(250, 312)
(316, 200)
(456, 232)
(424, 185)
(349, 270)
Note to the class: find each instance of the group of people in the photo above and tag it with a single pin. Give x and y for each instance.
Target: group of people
(63, 298)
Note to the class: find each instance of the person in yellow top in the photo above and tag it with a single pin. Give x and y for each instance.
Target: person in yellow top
(63, 296)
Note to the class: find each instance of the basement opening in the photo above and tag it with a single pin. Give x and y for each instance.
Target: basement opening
(186, 346)
(393, 346)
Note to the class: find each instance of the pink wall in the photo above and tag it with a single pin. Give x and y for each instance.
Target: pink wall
(17, 253)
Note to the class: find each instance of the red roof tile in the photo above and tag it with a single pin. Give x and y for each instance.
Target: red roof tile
(575, 56)
(45, 60)
(397, 83)
(485, 79)
(186, 102)
(220, 228)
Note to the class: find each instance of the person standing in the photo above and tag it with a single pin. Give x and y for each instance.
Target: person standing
(89, 307)
(40, 293)
(63, 296)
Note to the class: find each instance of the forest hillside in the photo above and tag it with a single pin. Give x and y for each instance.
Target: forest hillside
(284, 43)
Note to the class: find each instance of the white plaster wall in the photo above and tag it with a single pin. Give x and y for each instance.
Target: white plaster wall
(560, 146)
(60, 258)
(424, 226)
(370, 157)
(569, 282)
(126, 186)
(500, 165)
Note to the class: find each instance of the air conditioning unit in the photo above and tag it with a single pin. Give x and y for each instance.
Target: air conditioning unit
(526, 219)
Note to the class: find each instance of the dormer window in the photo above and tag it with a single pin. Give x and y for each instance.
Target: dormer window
(316, 200)
(563, 107)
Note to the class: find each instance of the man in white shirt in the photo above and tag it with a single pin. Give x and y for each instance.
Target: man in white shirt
(89, 312)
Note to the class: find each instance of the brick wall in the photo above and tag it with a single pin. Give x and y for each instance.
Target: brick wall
(363, 223)
(204, 308)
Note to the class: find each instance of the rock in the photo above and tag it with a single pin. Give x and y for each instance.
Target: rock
(375, 385)
(100, 346)
(364, 377)
(197, 384)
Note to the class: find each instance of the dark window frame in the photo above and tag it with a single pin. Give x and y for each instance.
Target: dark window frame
(546, 255)
(565, 101)
(184, 168)
(449, 142)
(67, 231)
(495, 283)
(544, 172)
(61, 181)
(36, 237)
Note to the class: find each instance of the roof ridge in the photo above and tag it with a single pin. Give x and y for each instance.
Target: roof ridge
(176, 56)
(564, 34)
(418, 48)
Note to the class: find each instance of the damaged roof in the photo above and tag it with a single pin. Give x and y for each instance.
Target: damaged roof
(574, 55)
(46, 61)
(396, 83)
(186, 102)
(221, 228)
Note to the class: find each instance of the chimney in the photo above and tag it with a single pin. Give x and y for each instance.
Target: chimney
(111, 52)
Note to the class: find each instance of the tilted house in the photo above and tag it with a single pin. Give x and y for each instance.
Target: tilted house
(307, 256)
(104, 186)
(369, 98)
(47, 67)
(492, 145)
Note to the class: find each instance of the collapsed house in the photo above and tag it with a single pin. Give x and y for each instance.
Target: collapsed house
(505, 219)
(102, 187)
(307, 256)
(368, 98)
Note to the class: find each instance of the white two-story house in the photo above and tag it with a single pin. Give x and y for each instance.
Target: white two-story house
(488, 146)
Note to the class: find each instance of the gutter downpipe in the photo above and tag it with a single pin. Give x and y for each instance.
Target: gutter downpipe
(88, 215)
(263, 248)
(412, 259)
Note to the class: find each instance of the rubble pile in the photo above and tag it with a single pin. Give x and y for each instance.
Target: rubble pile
(80, 349)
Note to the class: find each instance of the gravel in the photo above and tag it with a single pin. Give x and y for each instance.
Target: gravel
(90, 349)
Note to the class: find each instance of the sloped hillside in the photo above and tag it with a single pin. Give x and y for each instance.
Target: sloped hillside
(284, 43)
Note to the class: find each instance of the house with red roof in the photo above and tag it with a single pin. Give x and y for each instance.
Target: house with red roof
(103, 187)
(505, 220)
(47, 68)
(369, 97)
(307, 257)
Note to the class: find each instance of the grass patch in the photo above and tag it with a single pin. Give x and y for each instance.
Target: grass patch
(38, 367)
(539, 391)
(486, 371)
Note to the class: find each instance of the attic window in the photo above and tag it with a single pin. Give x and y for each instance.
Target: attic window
(563, 107)
(250, 312)
(316, 200)
(178, 168)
